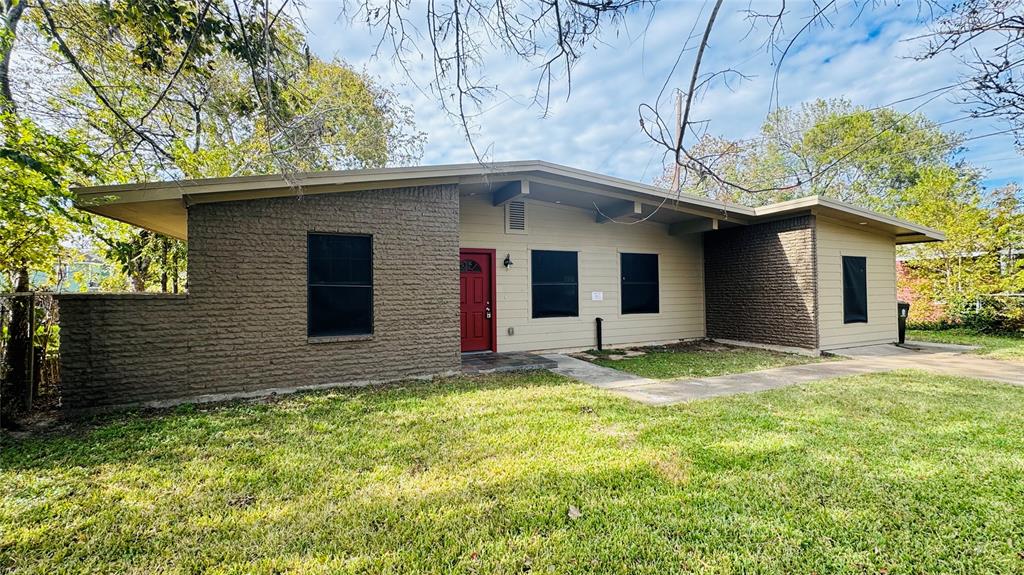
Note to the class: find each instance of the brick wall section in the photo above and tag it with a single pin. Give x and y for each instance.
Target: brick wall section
(122, 348)
(760, 283)
(242, 327)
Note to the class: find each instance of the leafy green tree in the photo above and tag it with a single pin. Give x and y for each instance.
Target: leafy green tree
(825, 147)
(36, 168)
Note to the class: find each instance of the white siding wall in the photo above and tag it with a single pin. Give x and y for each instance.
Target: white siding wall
(554, 227)
(836, 240)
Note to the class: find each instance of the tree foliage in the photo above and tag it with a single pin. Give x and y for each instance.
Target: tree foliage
(826, 147)
(36, 170)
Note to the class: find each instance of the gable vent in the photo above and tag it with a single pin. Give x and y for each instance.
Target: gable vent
(515, 217)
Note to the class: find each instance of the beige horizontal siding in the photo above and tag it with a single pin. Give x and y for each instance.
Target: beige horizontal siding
(554, 227)
(836, 240)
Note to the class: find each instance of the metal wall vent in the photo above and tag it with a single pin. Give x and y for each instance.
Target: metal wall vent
(515, 217)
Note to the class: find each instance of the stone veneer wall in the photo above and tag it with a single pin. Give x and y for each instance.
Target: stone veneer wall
(760, 283)
(241, 330)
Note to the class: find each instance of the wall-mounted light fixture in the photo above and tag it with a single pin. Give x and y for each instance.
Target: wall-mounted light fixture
(508, 261)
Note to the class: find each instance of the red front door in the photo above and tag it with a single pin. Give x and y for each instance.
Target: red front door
(476, 281)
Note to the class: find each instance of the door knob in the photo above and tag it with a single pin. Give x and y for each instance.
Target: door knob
(488, 312)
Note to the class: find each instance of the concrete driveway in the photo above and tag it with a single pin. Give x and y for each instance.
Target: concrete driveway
(936, 358)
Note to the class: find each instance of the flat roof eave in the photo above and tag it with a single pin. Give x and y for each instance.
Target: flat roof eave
(162, 206)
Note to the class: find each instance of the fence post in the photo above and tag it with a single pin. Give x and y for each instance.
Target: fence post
(30, 389)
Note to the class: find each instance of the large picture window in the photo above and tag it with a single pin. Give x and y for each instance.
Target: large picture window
(555, 284)
(340, 283)
(855, 289)
(639, 283)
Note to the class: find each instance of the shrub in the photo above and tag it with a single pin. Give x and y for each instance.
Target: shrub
(993, 314)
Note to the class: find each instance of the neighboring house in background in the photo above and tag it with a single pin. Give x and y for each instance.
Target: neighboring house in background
(925, 310)
(372, 275)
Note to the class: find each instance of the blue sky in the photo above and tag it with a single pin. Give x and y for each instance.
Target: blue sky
(868, 60)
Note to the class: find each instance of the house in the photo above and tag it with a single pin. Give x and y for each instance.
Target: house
(321, 279)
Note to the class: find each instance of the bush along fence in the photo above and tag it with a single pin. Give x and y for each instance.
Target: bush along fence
(29, 344)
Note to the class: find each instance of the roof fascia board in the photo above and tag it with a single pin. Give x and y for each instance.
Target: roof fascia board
(823, 202)
(392, 178)
(239, 183)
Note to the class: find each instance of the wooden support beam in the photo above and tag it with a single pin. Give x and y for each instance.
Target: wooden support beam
(692, 227)
(619, 210)
(511, 191)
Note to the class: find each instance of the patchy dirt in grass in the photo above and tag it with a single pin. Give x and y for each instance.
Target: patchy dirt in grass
(618, 354)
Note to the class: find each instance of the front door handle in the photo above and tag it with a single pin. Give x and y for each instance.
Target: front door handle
(488, 312)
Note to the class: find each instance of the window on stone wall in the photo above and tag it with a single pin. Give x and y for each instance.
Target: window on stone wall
(855, 289)
(340, 285)
(554, 279)
(639, 283)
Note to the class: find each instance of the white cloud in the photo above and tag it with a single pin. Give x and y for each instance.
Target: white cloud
(867, 60)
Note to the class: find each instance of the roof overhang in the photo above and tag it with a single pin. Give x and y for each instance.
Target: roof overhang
(163, 206)
(902, 231)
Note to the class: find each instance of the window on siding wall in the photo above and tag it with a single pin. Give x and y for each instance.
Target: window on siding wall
(639, 283)
(340, 285)
(855, 289)
(555, 284)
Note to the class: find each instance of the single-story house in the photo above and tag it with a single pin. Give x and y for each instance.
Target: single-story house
(319, 279)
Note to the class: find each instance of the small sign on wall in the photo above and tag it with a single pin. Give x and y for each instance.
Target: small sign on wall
(597, 296)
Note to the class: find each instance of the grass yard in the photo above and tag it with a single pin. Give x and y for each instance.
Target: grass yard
(897, 473)
(698, 359)
(1005, 346)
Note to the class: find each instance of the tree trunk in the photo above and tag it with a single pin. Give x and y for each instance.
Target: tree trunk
(163, 265)
(174, 268)
(138, 282)
(10, 27)
(16, 376)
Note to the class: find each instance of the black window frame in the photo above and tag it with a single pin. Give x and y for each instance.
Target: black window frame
(855, 289)
(534, 284)
(310, 285)
(627, 285)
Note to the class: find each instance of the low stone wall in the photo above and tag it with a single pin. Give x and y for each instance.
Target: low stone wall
(122, 349)
(760, 283)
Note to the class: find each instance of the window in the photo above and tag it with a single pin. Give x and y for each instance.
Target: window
(340, 282)
(555, 282)
(855, 289)
(639, 283)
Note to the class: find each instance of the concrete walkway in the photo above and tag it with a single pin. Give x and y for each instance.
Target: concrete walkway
(945, 359)
(937, 358)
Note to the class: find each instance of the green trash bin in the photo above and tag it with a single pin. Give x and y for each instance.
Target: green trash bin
(903, 308)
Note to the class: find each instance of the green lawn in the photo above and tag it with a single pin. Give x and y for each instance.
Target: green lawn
(700, 360)
(896, 473)
(994, 346)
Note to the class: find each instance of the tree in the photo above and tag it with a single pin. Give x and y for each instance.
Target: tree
(989, 37)
(36, 168)
(825, 147)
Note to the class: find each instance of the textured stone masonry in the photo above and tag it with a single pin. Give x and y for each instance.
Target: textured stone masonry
(241, 329)
(761, 283)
